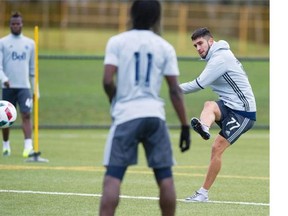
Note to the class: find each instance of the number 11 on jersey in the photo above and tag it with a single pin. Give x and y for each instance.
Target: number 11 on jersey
(137, 68)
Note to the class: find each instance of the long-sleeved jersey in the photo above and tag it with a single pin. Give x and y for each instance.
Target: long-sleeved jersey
(227, 78)
(17, 60)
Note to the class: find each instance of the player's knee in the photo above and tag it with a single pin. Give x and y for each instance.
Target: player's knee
(219, 146)
(162, 173)
(210, 105)
(26, 116)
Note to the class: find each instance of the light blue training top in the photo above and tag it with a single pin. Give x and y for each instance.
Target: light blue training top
(17, 60)
(226, 77)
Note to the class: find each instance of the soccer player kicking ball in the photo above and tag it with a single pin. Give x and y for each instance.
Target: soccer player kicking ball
(234, 112)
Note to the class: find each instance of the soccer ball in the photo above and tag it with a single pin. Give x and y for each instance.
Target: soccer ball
(8, 114)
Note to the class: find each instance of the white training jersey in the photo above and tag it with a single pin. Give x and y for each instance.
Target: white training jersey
(17, 60)
(227, 78)
(143, 58)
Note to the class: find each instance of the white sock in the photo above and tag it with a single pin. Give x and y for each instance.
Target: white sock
(203, 191)
(28, 144)
(6, 144)
(205, 127)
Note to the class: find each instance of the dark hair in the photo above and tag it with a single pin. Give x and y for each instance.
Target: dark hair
(145, 13)
(201, 32)
(16, 14)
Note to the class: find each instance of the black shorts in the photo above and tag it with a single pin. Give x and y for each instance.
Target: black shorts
(123, 139)
(19, 96)
(232, 124)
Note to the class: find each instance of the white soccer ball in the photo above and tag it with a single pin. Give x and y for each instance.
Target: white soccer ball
(8, 114)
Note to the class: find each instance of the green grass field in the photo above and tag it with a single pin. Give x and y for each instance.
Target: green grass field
(71, 182)
(71, 92)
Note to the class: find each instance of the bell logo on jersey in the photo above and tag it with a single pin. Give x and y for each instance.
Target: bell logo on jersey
(16, 56)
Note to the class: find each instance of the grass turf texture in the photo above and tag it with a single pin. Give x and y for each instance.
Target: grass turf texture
(71, 92)
(73, 177)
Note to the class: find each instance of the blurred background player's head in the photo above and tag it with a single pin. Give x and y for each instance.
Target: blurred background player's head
(146, 14)
(16, 23)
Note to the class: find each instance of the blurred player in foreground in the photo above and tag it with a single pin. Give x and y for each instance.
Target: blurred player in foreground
(234, 112)
(16, 69)
(138, 60)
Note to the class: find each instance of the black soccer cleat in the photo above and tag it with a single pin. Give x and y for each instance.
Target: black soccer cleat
(197, 126)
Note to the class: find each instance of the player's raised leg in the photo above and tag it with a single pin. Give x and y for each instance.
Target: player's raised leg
(210, 113)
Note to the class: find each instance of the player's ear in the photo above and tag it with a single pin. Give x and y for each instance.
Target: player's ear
(210, 41)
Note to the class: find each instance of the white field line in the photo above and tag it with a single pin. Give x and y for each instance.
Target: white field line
(123, 196)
